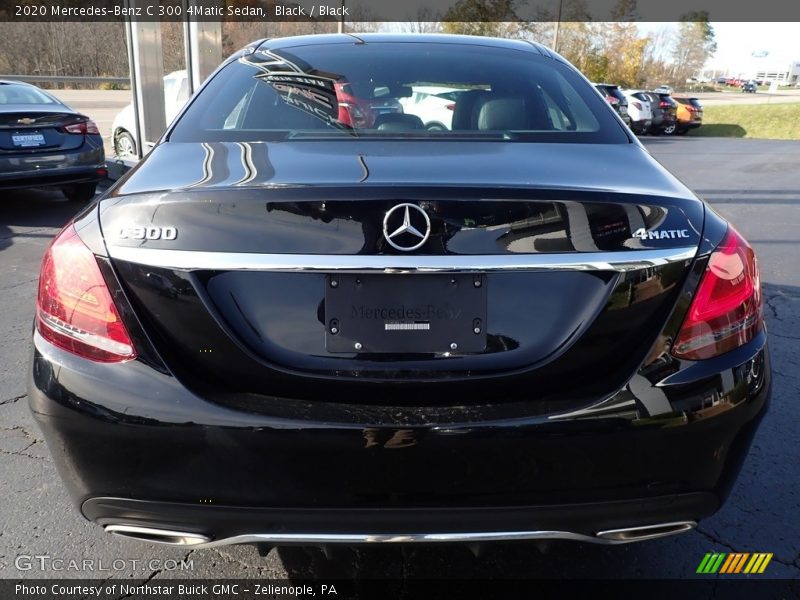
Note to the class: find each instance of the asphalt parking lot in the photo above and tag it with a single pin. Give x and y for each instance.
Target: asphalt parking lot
(755, 184)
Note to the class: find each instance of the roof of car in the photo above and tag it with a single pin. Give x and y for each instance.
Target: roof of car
(14, 82)
(433, 38)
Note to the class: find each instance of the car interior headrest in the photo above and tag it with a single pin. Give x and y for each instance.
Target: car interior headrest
(463, 113)
(398, 122)
(503, 113)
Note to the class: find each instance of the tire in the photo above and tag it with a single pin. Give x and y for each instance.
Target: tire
(435, 126)
(124, 144)
(670, 130)
(80, 192)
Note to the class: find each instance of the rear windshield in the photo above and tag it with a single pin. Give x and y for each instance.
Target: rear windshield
(11, 93)
(398, 90)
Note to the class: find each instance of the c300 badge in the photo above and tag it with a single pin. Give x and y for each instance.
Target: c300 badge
(148, 233)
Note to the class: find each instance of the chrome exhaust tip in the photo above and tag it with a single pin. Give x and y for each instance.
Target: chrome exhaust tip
(646, 532)
(158, 536)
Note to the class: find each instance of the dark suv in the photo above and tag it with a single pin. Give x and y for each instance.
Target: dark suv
(665, 111)
(616, 99)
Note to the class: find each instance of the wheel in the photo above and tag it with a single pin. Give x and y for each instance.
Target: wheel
(434, 126)
(669, 129)
(80, 192)
(124, 145)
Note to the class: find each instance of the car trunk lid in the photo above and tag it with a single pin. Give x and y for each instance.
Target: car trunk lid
(242, 290)
(27, 130)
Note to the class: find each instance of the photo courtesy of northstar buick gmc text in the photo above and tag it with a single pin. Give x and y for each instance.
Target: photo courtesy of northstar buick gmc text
(389, 288)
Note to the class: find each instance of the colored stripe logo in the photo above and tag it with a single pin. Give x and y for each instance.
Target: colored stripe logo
(734, 562)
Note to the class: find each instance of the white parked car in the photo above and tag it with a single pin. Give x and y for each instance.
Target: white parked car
(639, 110)
(176, 93)
(433, 104)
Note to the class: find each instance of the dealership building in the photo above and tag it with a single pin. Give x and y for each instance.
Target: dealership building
(784, 70)
(786, 75)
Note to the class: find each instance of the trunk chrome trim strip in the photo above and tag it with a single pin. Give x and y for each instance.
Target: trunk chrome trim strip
(189, 260)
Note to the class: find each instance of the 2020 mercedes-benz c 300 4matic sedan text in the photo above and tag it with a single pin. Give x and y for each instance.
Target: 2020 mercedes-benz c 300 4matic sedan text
(306, 318)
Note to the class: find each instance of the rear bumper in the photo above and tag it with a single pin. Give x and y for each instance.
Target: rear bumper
(224, 525)
(136, 448)
(55, 178)
(52, 169)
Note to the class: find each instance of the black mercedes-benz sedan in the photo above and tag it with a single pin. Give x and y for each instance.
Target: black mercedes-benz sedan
(45, 143)
(303, 319)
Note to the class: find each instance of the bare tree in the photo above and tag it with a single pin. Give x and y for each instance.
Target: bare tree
(694, 45)
(425, 21)
(361, 20)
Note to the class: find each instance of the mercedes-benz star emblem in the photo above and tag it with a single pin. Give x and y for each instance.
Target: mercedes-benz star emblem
(406, 227)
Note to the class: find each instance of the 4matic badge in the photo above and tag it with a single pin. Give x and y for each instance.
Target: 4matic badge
(660, 234)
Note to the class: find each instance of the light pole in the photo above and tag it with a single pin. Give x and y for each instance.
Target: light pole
(558, 26)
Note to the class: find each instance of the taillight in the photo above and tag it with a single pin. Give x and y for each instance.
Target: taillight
(451, 106)
(74, 309)
(637, 105)
(664, 104)
(727, 310)
(612, 100)
(354, 116)
(82, 127)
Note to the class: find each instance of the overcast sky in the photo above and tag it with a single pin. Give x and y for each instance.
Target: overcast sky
(736, 43)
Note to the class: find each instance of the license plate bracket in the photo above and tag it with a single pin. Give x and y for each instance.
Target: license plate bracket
(406, 313)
